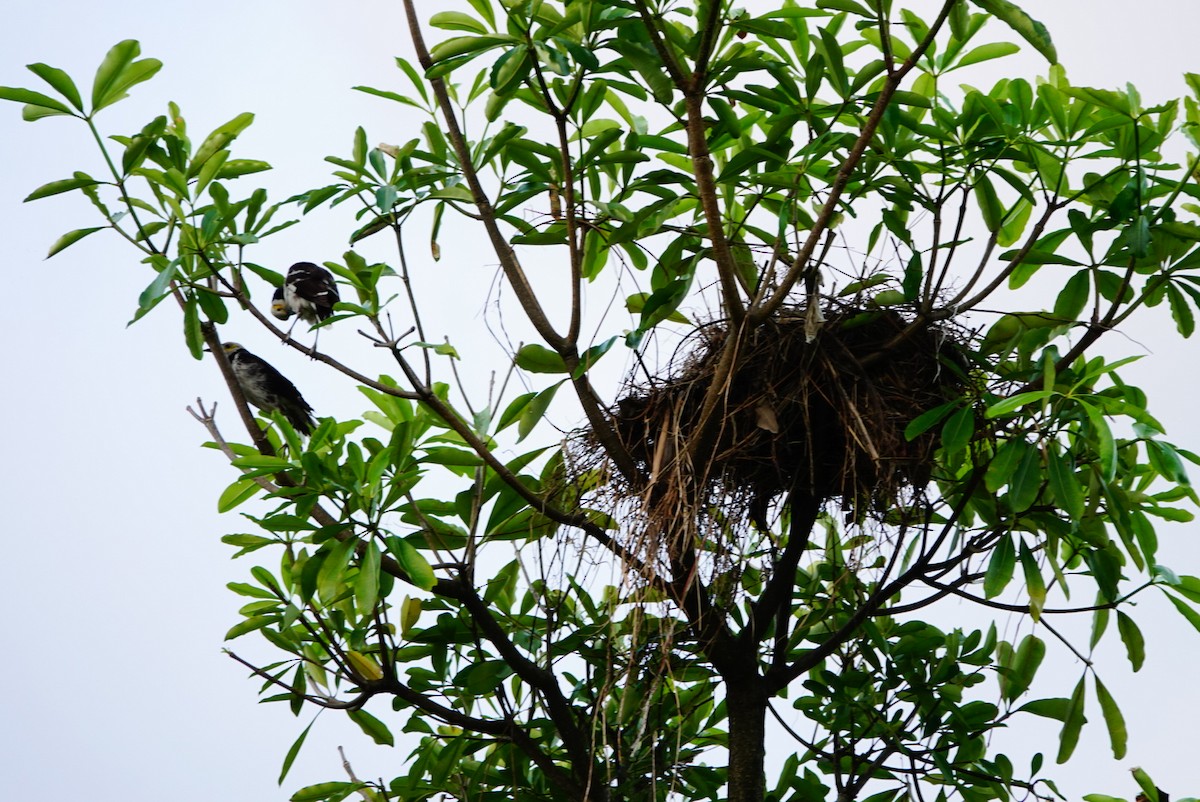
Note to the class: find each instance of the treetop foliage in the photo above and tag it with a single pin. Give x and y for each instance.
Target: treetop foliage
(882, 292)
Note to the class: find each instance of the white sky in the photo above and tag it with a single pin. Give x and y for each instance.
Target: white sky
(114, 684)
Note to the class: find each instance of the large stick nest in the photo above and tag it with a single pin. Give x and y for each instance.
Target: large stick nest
(823, 416)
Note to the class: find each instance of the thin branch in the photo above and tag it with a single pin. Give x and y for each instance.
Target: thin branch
(779, 679)
(762, 311)
(413, 307)
(954, 588)
(960, 305)
(707, 44)
(539, 503)
(208, 420)
(487, 215)
(779, 588)
(673, 68)
(512, 267)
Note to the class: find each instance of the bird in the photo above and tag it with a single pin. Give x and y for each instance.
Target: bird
(279, 307)
(308, 292)
(268, 389)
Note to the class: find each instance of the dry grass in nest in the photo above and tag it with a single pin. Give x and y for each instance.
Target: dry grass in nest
(824, 418)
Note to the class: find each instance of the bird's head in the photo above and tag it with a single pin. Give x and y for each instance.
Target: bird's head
(279, 307)
(231, 348)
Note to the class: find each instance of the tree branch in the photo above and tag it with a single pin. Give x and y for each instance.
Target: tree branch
(487, 215)
(765, 309)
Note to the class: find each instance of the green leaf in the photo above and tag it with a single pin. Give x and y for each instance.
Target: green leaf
(986, 53)
(235, 168)
(290, 758)
(1000, 567)
(61, 82)
(1026, 481)
(249, 625)
(539, 359)
(461, 46)
(533, 412)
(419, 572)
(1057, 708)
(373, 727)
(331, 579)
(43, 105)
(959, 430)
(445, 455)
(1166, 460)
(365, 665)
(325, 792)
(1146, 784)
(1118, 735)
(1029, 29)
(1186, 611)
(457, 21)
(637, 302)
(845, 5)
(366, 585)
(591, 356)
(246, 544)
(1073, 723)
(1025, 664)
(1073, 298)
(156, 289)
(512, 413)
(244, 589)
(218, 140)
(1035, 584)
(1011, 404)
(928, 419)
(66, 185)
(649, 66)
(501, 588)
(1064, 484)
(70, 238)
(235, 494)
(192, 335)
(119, 72)
(1187, 586)
(763, 26)
(663, 302)
(1099, 624)
(990, 206)
(600, 125)
(1002, 467)
(483, 676)
(1102, 440)
(1015, 223)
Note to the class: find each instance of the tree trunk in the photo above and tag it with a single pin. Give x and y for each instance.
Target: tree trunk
(746, 704)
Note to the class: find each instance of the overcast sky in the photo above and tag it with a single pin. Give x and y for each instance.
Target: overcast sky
(114, 683)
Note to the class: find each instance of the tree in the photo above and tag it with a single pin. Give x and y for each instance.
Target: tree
(832, 452)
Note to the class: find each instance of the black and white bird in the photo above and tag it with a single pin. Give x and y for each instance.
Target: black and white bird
(308, 293)
(268, 389)
(279, 307)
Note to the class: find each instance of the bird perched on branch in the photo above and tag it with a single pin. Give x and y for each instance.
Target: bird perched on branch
(268, 389)
(279, 307)
(308, 292)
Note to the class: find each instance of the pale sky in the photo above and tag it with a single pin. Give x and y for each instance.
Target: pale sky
(114, 682)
